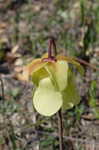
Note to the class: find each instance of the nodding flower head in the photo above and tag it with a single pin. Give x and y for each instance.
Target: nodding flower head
(54, 81)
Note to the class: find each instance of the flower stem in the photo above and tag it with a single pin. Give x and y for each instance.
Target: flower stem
(60, 127)
(51, 56)
(52, 44)
(50, 49)
(59, 113)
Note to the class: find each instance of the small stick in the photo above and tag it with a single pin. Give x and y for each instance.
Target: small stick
(60, 127)
(2, 88)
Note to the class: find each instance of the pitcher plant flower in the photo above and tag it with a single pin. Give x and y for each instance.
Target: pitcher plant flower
(54, 80)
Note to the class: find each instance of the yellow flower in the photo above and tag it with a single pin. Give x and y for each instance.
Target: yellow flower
(55, 83)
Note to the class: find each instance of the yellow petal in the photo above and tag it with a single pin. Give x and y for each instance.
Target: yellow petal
(39, 75)
(58, 72)
(47, 101)
(72, 61)
(35, 65)
(70, 94)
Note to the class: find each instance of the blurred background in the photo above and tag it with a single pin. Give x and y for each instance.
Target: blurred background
(25, 28)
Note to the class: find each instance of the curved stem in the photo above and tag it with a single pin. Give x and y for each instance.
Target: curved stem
(50, 49)
(52, 44)
(87, 64)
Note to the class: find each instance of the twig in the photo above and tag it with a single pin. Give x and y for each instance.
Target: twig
(2, 88)
(60, 127)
